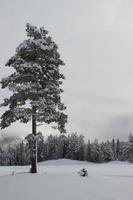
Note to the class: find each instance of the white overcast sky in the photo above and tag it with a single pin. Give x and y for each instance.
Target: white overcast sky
(95, 39)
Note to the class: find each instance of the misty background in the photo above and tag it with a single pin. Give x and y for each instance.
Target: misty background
(95, 39)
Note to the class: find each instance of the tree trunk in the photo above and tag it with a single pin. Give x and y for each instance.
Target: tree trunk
(34, 146)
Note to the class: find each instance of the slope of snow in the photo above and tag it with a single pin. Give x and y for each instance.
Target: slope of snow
(63, 162)
(58, 180)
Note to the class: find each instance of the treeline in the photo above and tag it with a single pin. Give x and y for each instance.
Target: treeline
(68, 146)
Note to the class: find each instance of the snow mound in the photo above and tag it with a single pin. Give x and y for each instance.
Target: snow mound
(63, 162)
(70, 162)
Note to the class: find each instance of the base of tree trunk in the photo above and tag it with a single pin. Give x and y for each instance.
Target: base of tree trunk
(33, 166)
(33, 171)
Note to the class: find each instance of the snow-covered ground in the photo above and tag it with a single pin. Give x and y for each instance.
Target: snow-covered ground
(58, 180)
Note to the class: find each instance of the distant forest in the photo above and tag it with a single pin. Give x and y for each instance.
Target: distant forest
(71, 146)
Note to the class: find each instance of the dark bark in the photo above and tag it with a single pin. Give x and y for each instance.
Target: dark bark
(34, 146)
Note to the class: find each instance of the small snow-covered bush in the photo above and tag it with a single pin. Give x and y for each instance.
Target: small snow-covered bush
(83, 172)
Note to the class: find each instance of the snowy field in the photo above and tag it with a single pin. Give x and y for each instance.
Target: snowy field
(58, 180)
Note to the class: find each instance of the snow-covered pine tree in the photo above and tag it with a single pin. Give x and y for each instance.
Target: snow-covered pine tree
(107, 152)
(96, 152)
(117, 149)
(129, 148)
(113, 146)
(88, 151)
(35, 85)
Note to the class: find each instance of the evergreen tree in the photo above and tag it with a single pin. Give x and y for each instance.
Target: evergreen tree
(35, 85)
(130, 148)
(62, 146)
(20, 154)
(73, 146)
(107, 153)
(113, 145)
(81, 154)
(124, 151)
(88, 151)
(96, 152)
(117, 149)
(1, 156)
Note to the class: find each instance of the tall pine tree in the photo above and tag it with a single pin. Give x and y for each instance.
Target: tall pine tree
(35, 86)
